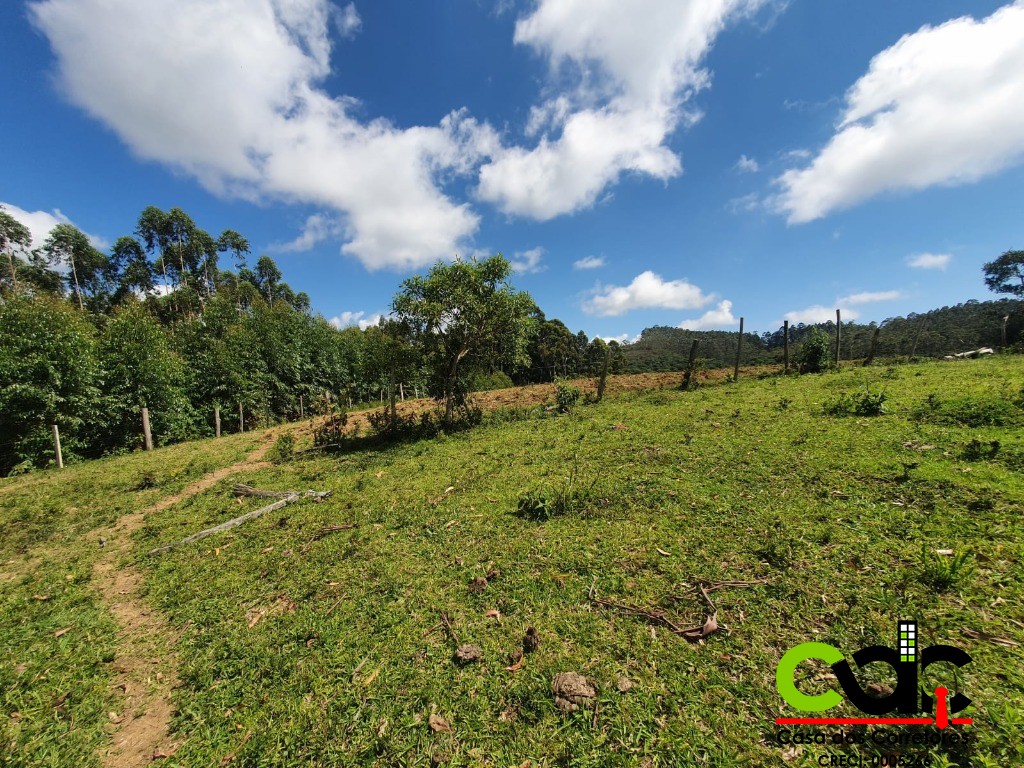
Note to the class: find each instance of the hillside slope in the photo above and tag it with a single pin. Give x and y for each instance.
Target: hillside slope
(323, 634)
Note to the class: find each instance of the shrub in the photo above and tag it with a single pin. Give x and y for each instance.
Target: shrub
(942, 573)
(978, 450)
(814, 353)
(481, 382)
(866, 403)
(331, 430)
(567, 397)
(551, 500)
(982, 411)
(283, 448)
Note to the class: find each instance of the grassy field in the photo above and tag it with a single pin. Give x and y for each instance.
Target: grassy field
(316, 634)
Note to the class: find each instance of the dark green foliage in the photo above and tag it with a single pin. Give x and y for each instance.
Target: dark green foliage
(482, 382)
(139, 368)
(939, 332)
(863, 403)
(465, 314)
(566, 397)
(980, 450)
(283, 448)
(815, 352)
(976, 411)
(1006, 274)
(668, 349)
(48, 375)
(943, 572)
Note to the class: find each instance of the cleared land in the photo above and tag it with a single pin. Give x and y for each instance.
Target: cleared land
(298, 640)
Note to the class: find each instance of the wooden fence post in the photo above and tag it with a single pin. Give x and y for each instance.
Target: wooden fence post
(145, 429)
(839, 333)
(241, 419)
(302, 411)
(392, 394)
(785, 348)
(216, 420)
(739, 347)
(690, 365)
(874, 345)
(56, 447)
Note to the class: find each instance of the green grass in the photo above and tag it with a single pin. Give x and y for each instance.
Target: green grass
(839, 517)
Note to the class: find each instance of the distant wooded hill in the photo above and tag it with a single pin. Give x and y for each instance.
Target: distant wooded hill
(930, 334)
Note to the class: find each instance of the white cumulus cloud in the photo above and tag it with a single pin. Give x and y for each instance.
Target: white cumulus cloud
(634, 67)
(318, 228)
(589, 262)
(719, 317)
(231, 93)
(944, 105)
(820, 314)
(929, 260)
(868, 297)
(346, 319)
(747, 165)
(647, 291)
(347, 21)
(528, 262)
(40, 223)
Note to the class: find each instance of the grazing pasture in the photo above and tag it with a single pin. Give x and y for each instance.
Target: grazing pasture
(788, 509)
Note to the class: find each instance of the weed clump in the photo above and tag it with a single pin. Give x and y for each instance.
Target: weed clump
(942, 573)
(978, 411)
(567, 397)
(866, 403)
(283, 448)
(553, 500)
(979, 450)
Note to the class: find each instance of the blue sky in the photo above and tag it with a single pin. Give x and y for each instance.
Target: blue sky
(653, 162)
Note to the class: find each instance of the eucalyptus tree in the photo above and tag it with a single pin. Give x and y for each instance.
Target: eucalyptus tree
(13, 234)
(1006, 274)
(66, 244)
(136, 273)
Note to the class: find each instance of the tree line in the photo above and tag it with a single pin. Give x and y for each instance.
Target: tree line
(176, 320)
(935, 333)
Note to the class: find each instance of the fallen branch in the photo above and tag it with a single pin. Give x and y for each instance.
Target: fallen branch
(288, 498)
(247, 490)
(448, 626)
(655, 617)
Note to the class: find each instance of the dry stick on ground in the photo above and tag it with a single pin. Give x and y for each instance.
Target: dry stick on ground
(658, 617)
(448, 626)
(655, 617)
(288, 498)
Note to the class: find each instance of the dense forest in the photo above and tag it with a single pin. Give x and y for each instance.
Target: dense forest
(177, 321)
(936, 333)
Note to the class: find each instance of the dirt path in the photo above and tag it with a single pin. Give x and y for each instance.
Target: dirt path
(145, 666)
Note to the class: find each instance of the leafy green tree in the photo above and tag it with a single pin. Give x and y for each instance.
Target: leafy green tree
(233, 243)
(12, 234)
(267, 277)
(67, 244)
(1006, 274)
(139, 368)
(48, 375)
(135, 271)
(462, 309)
